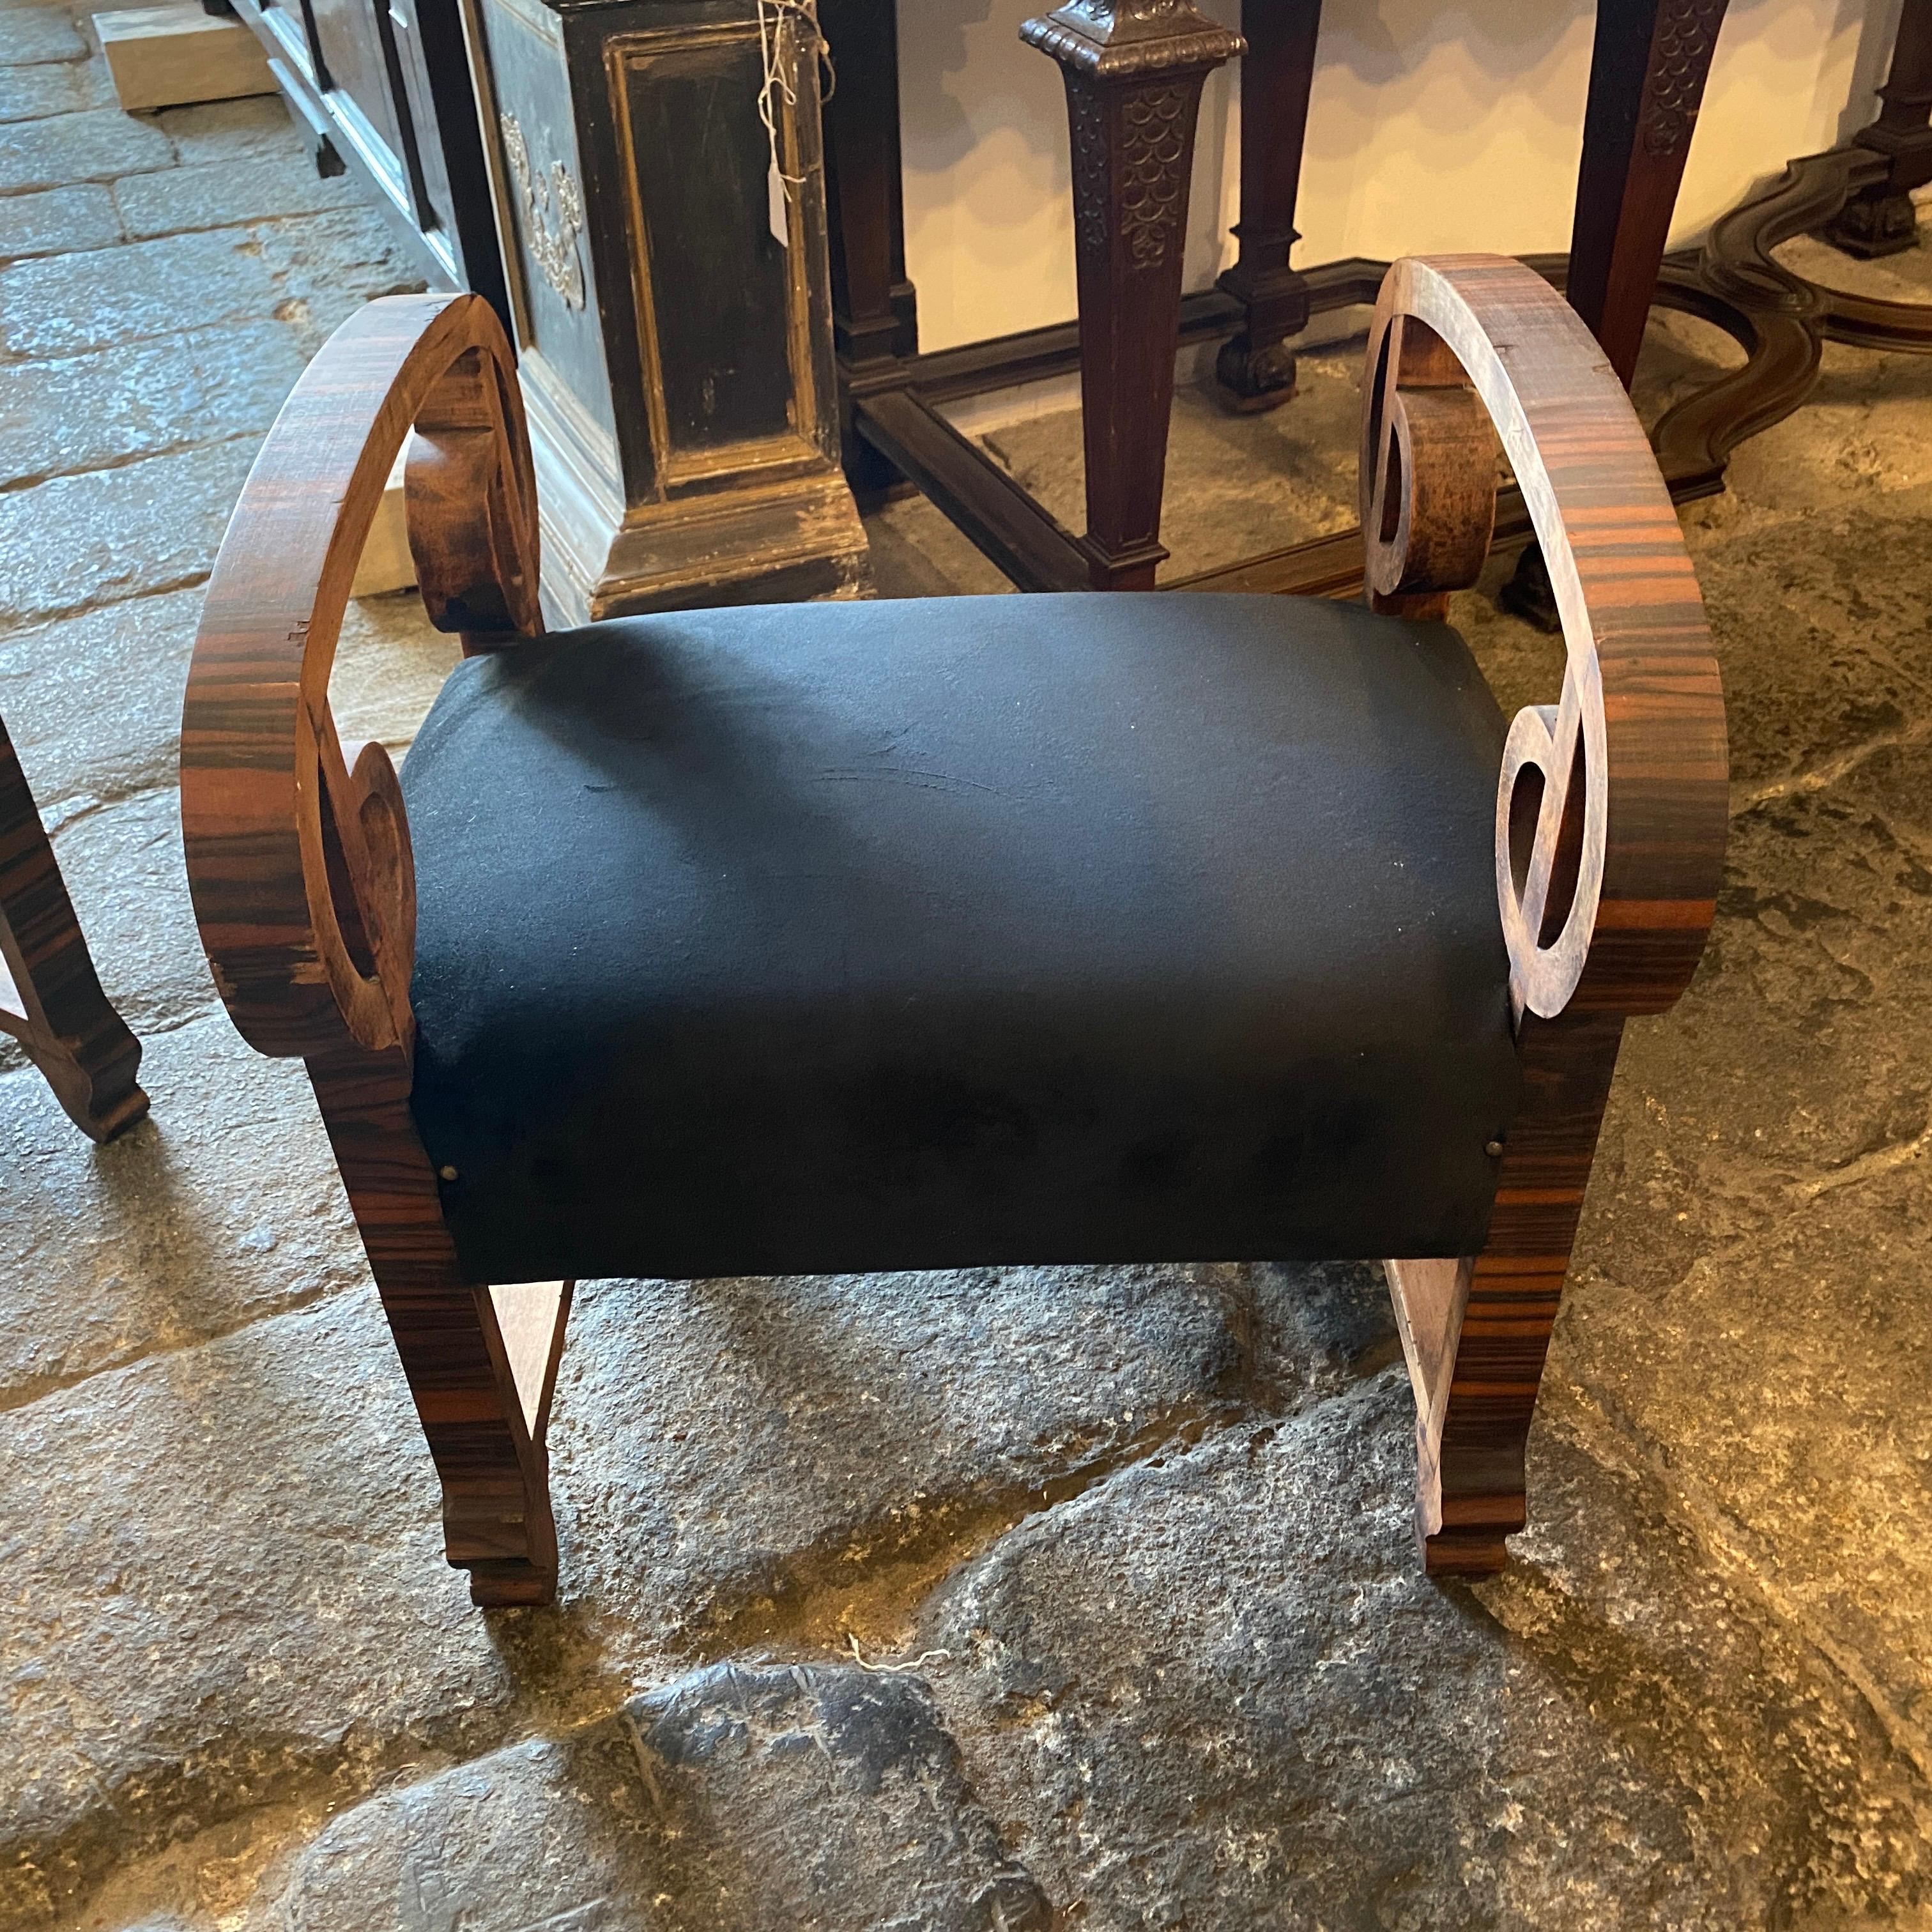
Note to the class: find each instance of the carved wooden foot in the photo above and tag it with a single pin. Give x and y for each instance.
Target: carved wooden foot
(1133, 71)
(50, 996)
(1255, 367)
(1881, 219)
(1870, 226)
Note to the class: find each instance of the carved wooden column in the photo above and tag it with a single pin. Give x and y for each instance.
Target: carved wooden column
(1881, 220)
(1133, 71)
(671, 300)
(1647, 74)
(1256, 367)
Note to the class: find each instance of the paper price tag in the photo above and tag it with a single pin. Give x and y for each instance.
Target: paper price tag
(777, 211)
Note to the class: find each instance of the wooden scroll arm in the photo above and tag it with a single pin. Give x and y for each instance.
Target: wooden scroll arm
(298, 858)
(1612, 804)
(1610, 818)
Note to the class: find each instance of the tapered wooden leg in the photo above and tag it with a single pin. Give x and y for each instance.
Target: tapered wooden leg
(1881, 220)
(1476, 1331)
(1256, 367)
(874, 310)
(1133, 71)
(1647, 74)
(50, 996)
(480, 1361)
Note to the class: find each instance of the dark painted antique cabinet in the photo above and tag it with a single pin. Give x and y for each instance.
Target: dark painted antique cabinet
(669, 296)
(383, 87)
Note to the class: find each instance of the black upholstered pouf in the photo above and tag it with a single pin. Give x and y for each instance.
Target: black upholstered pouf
(818, 938)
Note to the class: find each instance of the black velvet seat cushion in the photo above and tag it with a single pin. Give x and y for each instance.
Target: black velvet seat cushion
(818, 938)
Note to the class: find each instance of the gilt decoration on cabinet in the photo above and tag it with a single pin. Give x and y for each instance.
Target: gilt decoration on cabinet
(553, 214)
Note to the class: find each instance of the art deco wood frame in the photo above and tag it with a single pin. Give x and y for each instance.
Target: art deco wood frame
(1611, 807)
(299, 862)
(1610, 832)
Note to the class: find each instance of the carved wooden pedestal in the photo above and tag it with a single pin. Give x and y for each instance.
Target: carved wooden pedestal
(670, 300)
(1646, 85)
(1133, 70)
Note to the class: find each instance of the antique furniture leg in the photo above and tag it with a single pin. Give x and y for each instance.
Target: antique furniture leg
(1133, 71)
(1611, 809)
(50, 998)
(1256, 367)
(1647, 74)
(1476, 1331)
(299, 862)
(874, 310)
(1881, 219)
(483, 1400)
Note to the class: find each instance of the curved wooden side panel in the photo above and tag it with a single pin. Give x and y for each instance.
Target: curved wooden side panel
(1613, 801)
(294, 859)
(1611, 808)
(298, 852)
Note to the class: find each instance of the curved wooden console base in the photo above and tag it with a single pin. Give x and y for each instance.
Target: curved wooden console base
(1739, 268)
(50, 996)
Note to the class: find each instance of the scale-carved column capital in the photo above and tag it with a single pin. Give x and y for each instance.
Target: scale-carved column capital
(1132, 39)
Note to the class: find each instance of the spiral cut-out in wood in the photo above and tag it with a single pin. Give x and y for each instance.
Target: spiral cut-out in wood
(298, 853)
(1611, 808)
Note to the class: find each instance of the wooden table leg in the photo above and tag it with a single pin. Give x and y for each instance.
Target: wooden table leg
(1133, 71)
(874, 310)
(1256, 367)
(1881, 220)
(1647, 74)
(50, 998)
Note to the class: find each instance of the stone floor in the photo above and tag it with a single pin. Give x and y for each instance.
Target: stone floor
(1010, 1599)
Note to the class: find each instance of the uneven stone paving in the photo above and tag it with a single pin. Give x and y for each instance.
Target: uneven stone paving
(1011, 1597)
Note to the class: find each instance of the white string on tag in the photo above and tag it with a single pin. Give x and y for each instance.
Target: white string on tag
(772, 15)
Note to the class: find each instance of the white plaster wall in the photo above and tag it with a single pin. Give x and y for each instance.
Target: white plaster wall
(1434, 124)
